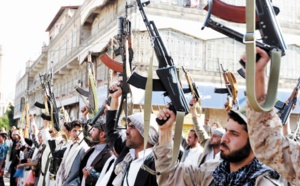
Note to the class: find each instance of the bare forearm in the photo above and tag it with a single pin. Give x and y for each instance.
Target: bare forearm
(28, 164)
(114, 104)
(165, 136)
(260, 84)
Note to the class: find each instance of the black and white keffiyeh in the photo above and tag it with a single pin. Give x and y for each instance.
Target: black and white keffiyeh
(246, 176)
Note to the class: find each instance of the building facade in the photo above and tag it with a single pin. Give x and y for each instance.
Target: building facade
(77, 30)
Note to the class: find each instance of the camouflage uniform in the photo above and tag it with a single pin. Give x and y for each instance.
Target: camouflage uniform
(271, 147)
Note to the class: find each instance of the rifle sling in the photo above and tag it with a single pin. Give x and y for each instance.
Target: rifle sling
(147, 111)
(93, 94)
(178, 127)
(249, 40)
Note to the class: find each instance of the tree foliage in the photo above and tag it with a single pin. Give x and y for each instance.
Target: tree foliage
(7, 120)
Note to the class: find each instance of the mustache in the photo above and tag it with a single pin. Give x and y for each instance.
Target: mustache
(224, 145)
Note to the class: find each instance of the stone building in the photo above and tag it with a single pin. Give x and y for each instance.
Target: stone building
(77, 30)
(4, 100)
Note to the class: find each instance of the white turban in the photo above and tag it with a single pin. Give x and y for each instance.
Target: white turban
(218, 131)
(138, 121)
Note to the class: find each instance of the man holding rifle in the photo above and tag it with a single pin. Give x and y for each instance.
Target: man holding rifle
(238, 167)
(129, 146)
(68, 172)
(265, 131)
(93, 161)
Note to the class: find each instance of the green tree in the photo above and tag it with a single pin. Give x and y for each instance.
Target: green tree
(7, 120)
(4, 122)
(10, 115)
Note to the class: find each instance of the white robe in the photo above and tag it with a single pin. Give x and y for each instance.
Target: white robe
(106, 171)
(68, 160)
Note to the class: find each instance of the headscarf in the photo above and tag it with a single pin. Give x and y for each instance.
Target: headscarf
(138, 121)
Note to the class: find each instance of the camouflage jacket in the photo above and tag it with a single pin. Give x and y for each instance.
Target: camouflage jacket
(183, 175)
(271, 147)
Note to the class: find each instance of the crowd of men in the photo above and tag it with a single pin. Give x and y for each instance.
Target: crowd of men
(250, 150)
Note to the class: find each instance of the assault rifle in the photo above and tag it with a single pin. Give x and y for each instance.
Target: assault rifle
(92, 93)
(50, 101)
(91, 122)
(231, 89)
(266, 23)
(167, 74)
(124, 39)
(273, 44)
(286, 108)
(192, 88)
(123, 23)
(166, 71)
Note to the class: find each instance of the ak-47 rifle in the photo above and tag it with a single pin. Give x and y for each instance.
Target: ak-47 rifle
(193, 89)
(231, 89)
(166, 71)
(273, 44)
(52, 111)
(91, 122)
(107, 59)
(92, 93)
(167, 74)
(124, 40)
(271, 34)
(286, 108)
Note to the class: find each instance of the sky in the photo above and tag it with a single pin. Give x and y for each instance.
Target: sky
(23, 27)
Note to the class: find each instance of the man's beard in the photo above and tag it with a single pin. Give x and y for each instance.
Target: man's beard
(237, 155)
(96, 138)
(130, 144)
(216, 144)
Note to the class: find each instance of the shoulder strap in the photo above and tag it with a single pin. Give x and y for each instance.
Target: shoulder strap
(249, 40)
(46, 169)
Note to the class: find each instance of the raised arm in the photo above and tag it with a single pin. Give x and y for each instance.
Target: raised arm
(177, 174)
(265, 131)
(200, 131)
(115, 137)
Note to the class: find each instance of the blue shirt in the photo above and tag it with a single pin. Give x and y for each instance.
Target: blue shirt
(3, 152)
